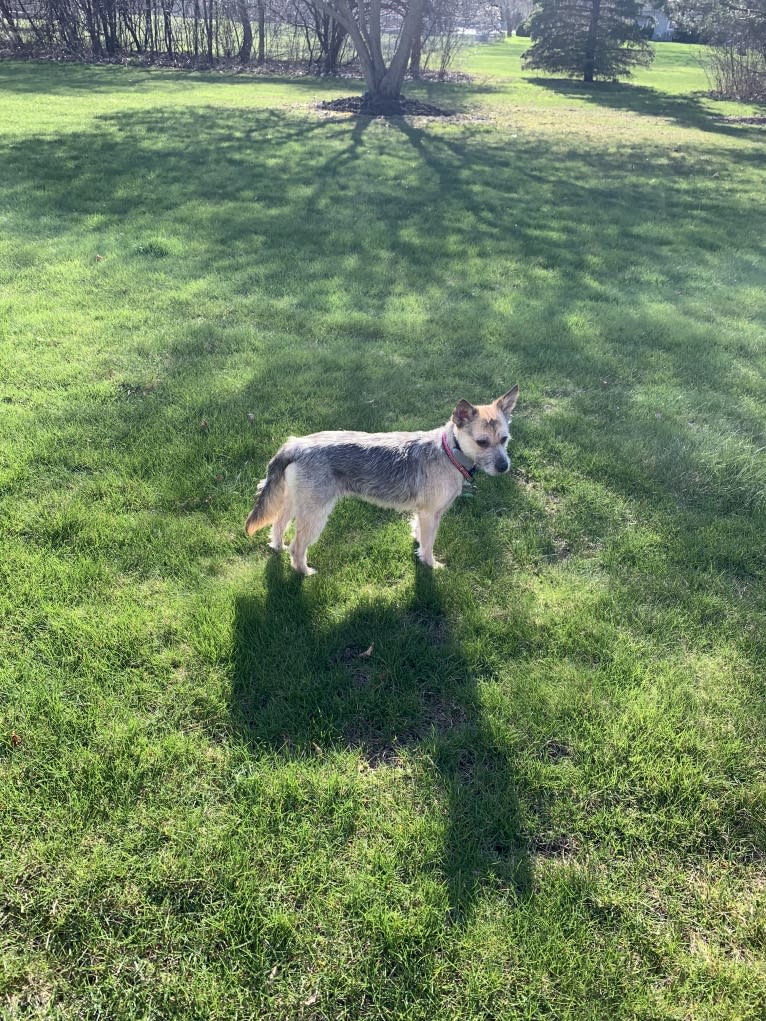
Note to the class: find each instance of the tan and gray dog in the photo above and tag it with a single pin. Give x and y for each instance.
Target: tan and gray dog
(422, 472)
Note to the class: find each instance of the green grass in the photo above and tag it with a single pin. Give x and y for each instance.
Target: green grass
(542, 794)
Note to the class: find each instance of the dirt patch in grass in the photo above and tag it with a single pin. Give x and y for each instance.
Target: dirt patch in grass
(757, 119)
(560, 846)
(556, 751)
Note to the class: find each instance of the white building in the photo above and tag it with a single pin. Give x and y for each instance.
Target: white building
(663, 26)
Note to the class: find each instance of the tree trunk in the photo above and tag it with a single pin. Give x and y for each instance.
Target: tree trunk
(261, 32)
(336, 36)
(132, 31)
(149, 41)
(363, 24)
(246, 48)
(506, 15)
(417, 48)
(168, 30)
(589, 66)
(209, 28)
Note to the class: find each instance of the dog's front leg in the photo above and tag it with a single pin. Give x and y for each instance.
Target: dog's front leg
(415, 528)
(427, 527)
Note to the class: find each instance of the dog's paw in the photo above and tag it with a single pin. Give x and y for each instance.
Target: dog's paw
(302, 568)
(432, 562)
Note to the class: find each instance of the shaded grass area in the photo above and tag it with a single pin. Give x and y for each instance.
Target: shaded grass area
(541, 793)
(688, 110)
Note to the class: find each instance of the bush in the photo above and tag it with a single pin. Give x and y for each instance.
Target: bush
(738, 72)
(688, 35)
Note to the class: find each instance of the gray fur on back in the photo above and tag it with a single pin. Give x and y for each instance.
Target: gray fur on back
(390, 469)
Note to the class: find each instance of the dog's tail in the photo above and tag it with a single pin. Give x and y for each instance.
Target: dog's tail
(270, 493)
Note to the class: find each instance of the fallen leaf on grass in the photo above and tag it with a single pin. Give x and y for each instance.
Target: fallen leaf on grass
(311, 1000)
(367, 653)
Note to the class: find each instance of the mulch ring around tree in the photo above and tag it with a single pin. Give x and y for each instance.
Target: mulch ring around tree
(402, 107)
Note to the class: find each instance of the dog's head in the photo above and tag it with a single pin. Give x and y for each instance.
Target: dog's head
(482, 431)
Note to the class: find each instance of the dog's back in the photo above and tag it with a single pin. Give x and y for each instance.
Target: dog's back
(390, 469)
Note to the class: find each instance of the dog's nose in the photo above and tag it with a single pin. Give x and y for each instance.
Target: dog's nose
(502, 466)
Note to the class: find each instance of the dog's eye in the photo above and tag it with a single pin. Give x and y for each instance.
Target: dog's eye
(483, 442)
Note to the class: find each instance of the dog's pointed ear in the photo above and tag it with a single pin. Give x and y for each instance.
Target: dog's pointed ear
(463, 413)
(507, 402)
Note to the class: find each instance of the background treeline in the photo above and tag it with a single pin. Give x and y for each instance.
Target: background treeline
(302, 32)
(198, 31)
(246, 31)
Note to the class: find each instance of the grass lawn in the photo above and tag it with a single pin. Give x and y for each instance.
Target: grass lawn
(542, 794)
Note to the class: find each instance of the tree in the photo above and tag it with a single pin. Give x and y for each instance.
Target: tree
(588, 38)
(736, 31)
(365, 20)
(513, 13)
(737, 58)
(439, 36)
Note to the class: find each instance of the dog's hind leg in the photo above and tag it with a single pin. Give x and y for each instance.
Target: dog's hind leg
(271, 493)
(308, 527)
(280, 525)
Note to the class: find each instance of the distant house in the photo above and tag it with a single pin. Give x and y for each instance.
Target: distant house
(663, 26)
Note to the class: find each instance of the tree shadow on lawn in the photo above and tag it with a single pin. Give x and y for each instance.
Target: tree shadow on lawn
(686, 109)
(321, 227)
(392, 683)
(282, 208)
(264, 176)
(268, 201)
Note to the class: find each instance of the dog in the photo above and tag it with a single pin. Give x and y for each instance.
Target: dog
(422, 472)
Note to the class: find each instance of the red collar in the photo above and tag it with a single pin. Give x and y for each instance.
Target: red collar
(467, 473)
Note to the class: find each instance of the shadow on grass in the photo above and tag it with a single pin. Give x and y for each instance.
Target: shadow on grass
(46, 77)
(687, 109)
(390, 682)
(317, 229)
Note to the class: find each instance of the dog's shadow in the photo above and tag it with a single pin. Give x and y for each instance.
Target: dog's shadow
(391, 682)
